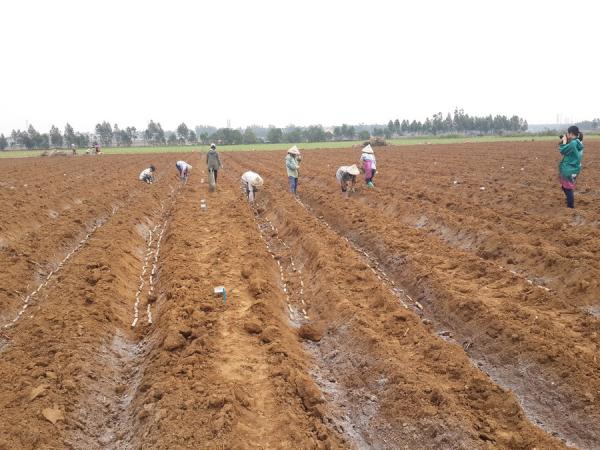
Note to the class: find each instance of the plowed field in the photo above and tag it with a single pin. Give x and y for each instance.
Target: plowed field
(456, 305)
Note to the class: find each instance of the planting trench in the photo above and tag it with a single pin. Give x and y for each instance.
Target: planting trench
(71, 358)
(395, 383)
(313, 348)
(516, 346)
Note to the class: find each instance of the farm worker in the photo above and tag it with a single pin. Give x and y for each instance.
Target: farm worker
(251, 181)
(213, 161)
(73, 149)
(147, 175)
(571, 147)
(346, 176)
(184, 169)
(292, 164)
(369, 164)
(97, 148)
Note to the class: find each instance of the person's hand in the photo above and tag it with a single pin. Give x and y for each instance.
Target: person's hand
(564, 139)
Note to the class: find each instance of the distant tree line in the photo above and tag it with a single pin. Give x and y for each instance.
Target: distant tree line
(457, 123)
(112, 135)
(589, 125)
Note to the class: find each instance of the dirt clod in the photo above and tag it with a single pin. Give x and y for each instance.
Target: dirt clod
(173, 341)
(253, 327)
(53, 415)
(310, 332)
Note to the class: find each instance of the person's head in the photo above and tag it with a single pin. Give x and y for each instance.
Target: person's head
(353, 170)
(213, 146)
(152, 168)
(574, 133)
(258, 181)
(294, 152)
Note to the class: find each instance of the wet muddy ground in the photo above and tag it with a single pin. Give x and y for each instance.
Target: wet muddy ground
(453, 306)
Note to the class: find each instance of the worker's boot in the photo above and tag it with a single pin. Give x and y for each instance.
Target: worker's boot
(370, 184)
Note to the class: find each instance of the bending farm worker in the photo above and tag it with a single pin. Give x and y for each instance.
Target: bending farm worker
(183, 169)
(251, 181)
(346, 176)
(571, 147)
(292, 165)
(147, 175)
(213, 161)
(369, 164)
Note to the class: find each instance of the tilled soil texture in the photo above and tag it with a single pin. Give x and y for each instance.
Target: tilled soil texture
(347, 323)
(479, 244)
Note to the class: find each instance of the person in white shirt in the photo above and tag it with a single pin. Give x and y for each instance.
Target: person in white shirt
(346, 177)
(147, 175)
(184, 170)
(251, 181)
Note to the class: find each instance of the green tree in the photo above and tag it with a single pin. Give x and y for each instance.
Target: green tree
(117, 135)
(390, 129)
(293, 135)
(82, 140)
(397, 127)
(56, 139)
(3, 142)
(154, 134)
(314, 133)
(275, 135)
(204, 137)
(183, 132)
(364, 135)
(192, 138)
(337, 133)
(37, 140)
(249, 136)
(172, 139)
(105, 133)
(69, 135)
(131, 134)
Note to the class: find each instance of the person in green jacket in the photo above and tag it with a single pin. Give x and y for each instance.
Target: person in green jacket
(571, 147)
(213, 161)
(292, 165)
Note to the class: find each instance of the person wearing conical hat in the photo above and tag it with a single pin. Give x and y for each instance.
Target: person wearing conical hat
(369, 164)
(292, 165)
(346, 176)
(251, 181)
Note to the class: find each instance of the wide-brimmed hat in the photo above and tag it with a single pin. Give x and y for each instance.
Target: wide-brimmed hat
(353, 170)
(368, 149)
(258, 181)
(294, 151)
(213, 146)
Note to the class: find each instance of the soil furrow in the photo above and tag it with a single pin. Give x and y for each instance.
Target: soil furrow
(384, 358)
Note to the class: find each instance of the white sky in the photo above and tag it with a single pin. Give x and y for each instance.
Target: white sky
(303, 62)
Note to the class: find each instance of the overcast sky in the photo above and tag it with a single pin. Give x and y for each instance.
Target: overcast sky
(302, 62)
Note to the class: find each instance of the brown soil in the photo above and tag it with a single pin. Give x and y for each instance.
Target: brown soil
(421, 314)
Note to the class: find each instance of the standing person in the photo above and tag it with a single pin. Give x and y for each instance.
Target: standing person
(183, 169)
(97, 148)
(251, 181)
(73, 149)
(292, 165)
(369, 164)
(346, 176)
(213, 162)
(147, 175)
(571, 147)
